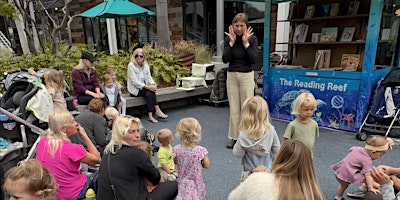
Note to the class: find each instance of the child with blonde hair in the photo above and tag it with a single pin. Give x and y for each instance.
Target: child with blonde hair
(112, 92)
(303, 128)
(55, 86)
(356, 166)
(29, 180)
(258, 142)
(166, 163)
(190, 158)
(111, 114)
(113, 74)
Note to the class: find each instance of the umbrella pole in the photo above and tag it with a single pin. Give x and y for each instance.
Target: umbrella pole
(112, 36)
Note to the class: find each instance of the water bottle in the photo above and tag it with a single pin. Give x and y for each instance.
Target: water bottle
(90, 195)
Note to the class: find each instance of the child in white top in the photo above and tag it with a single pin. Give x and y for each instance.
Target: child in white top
(113, 74)
(303, 128)
(258, 142)
(111, 91)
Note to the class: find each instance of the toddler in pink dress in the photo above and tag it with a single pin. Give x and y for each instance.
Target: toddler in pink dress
(355, 167)
(190, 159)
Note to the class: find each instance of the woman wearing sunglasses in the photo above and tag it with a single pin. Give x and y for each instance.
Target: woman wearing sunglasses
(140, 83)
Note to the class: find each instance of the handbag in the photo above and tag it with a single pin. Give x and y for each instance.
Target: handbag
(109, 176)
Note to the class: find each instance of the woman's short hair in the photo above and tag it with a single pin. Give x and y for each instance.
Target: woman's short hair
(188, 130)
(241, 17)
(97, 105)
(38, 180)
(304, 99)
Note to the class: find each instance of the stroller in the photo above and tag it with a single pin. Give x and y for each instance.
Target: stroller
(383, 116)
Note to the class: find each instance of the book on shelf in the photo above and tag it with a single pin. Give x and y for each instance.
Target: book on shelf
(292, 10)
(325, 10)
(315, 37)
(385, 34)
(334, 9)
(309, 12)
(322, 59)
(329, 34)
(353, 8)
(347, 34)
(350, 62)
(300, 33)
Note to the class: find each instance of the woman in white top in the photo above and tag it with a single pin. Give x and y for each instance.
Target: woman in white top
(140, 83)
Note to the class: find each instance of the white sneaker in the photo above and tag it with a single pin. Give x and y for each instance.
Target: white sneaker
(171, 177)
(359, 193)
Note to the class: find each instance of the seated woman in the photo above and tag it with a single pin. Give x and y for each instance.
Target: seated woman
(85, 81)
(62, 158)
(292, 166)
(95, 125)
(125, 167)
(140, 83)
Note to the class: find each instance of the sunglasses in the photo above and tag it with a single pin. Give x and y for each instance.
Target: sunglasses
(140, 56)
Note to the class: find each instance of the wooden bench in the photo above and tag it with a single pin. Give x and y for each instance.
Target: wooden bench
(163, 95)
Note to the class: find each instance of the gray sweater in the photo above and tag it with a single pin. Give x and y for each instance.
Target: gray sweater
(257, 152)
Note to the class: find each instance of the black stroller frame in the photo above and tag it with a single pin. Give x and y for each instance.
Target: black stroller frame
(387, 125)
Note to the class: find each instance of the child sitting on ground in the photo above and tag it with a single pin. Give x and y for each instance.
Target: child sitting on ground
(166, 163)
(355, 167)
(190, 158)
(303, 128)
(29, 180)
(146, 147)
(111, 114)
(111, 91)
(258, 142)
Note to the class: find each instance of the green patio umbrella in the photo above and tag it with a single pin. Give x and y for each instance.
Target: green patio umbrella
(117, 8)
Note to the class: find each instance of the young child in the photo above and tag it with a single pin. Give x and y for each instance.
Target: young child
(166, 164)
(113, 74)
(111, 114)
(258, 142)
(146, 147)
(355, 167)
(189, 159)
(55, 86)
(111, 91)
(303, 128)
(29, 180)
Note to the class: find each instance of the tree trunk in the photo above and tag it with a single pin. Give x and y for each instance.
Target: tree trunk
(21, 32)
(162, 23)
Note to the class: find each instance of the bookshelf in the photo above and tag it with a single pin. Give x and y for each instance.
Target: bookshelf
(342, 89)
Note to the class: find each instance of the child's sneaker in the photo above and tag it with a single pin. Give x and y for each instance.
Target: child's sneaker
(171, 177)
(359, 193)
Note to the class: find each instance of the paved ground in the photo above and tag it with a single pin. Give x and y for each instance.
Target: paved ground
(224, 173)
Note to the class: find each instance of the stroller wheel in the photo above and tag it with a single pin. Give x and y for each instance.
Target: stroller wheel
(362, 136)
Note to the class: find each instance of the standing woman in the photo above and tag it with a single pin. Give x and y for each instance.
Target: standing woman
(140, 83)
(240, 50)
(85, 81)
(56, 153)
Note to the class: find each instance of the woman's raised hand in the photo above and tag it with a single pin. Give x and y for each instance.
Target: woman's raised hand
(247, 34)
(231, 35)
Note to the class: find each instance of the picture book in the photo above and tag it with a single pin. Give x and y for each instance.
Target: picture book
(309, 11)
(322, 59)
(353, 8)
(350, 62)
(334, 9)
(385, 35)
(315, 37)
(300, 33)
(347, 34)
(329, 34)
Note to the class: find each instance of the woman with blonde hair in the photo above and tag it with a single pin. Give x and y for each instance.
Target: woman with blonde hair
(125, 167)
(56, 153)
(85, 81)
(140, 83)
(292, 177)
(30, 181)
(258, 142)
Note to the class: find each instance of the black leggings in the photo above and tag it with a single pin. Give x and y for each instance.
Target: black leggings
(165, 191)
(84, 99)
(151, 98)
